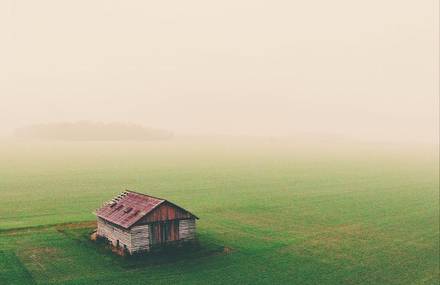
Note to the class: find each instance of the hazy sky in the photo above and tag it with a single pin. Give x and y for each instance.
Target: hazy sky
(362, 69)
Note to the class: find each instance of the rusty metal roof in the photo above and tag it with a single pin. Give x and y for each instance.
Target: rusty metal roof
(127, 208)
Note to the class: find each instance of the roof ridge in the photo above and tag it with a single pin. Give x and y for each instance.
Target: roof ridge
(163, 200)
(143, 194)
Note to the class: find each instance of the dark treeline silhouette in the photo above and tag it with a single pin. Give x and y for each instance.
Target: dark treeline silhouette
(85, 130)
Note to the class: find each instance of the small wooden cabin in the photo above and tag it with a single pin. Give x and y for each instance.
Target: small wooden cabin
(137, 222)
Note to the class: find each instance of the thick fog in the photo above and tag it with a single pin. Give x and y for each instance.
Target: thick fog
(366, 70)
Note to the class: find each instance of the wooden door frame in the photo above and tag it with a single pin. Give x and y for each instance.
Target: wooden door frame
(164, 228)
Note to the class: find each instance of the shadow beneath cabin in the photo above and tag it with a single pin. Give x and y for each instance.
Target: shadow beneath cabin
(186, 252)
(194, 251)
(173, 254)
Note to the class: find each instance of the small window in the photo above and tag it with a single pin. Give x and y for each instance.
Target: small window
(127, 210)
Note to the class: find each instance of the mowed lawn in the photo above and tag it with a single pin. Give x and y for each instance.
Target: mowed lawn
(269, 214)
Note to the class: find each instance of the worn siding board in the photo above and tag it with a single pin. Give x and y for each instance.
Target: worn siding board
(140, 238)
(114, 234)
(187, 229)
(136, 239)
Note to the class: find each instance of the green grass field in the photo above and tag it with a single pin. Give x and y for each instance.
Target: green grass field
(269, 214)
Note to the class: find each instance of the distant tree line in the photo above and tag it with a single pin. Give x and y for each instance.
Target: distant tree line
(89, 131)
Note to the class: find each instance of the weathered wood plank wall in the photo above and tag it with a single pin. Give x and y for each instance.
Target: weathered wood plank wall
(114, 234)
(140, 238)
(187, 229)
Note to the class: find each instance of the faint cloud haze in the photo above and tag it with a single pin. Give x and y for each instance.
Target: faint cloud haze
(362, 69)
(91, 131)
